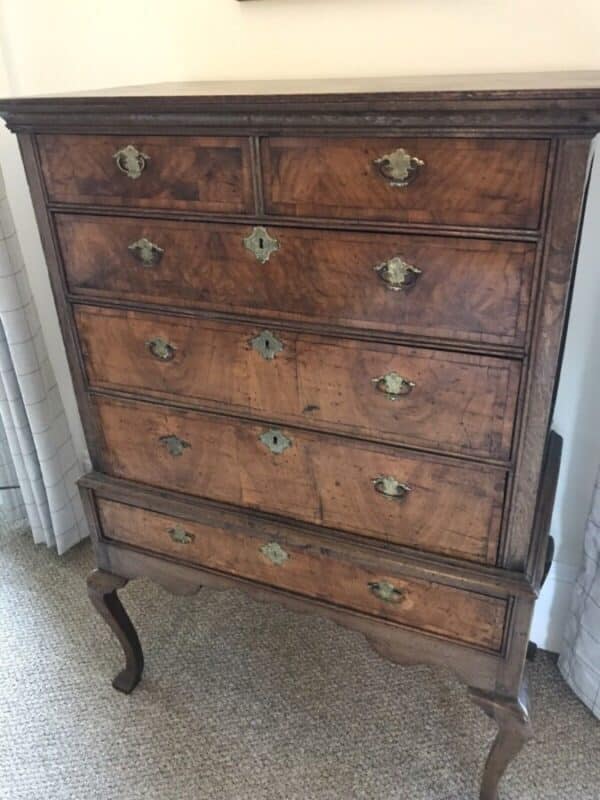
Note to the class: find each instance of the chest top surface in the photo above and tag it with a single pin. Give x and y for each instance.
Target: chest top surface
(558, 101)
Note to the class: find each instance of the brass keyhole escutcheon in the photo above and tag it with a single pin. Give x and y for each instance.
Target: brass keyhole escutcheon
(261, 244)
(275, 441)
(174, 445)
(267, 344)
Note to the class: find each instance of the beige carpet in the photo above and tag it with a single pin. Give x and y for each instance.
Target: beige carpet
(244, 701)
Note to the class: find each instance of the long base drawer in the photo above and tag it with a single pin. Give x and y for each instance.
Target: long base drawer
(308, 567)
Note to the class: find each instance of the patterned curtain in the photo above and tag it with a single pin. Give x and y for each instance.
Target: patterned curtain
(580, 659)
(12, 507)
(36, 449)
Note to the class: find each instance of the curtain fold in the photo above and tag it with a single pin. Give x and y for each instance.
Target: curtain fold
(12, 507)
(580, 658)
(36, 448)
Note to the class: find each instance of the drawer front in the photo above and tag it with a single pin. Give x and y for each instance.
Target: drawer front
(308, 567)
(462, 289)
(172, 172)
(426, 398)
(452, 508)
(482, 182)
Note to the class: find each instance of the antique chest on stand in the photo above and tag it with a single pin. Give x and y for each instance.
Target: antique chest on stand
(314, 331)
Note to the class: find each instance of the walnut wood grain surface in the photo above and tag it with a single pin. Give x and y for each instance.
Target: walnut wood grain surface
(485, 182)
(469, 289)
(460, 403)
(316, 571)
(199, 173)
(453, 508)
(572, 174)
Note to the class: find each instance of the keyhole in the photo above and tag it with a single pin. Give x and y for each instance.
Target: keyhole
(267, 344)
(261, 243)
(275, 440)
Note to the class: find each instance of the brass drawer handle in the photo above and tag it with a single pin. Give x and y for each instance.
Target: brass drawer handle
(161, 349)
(390, 487)
(131, 161)
(175, 446)
(261, 244)
(180, 535)
(393, 385)
(267, 344)
(386, 591)
(146, 252)
(397, 274)
(274, 553)
(275, 441)
(399, 168)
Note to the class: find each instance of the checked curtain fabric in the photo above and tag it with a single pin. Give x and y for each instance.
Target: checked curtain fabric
(36, 449)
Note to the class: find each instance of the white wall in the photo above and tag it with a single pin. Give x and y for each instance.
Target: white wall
(57, 44)
(67, 45)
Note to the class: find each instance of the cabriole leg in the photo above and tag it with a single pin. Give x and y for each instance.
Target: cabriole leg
(102, 590)
(514, 729)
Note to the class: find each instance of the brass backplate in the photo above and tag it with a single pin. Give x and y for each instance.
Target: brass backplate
(131, 161)
(388, 486)
(393, 385)
(146, 252)
(399, 167)
(397, 274)
(180, 535)
(175, 446)
(275, 553)
(386, 591)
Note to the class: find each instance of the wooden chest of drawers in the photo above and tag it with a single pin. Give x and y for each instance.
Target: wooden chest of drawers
(314, 334)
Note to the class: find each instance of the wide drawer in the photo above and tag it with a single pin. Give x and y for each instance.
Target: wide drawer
(453, 402)
(464, 289)
(427, 503)
(173, 172)
(315, 569)
(482, 182)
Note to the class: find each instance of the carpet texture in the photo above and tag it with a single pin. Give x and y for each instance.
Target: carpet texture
(244, 701)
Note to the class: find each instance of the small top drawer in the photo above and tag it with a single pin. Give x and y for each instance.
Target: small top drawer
(177, 172)
(494, 183)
